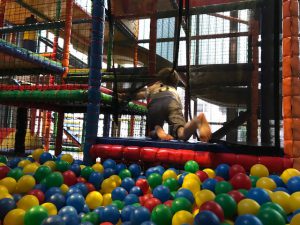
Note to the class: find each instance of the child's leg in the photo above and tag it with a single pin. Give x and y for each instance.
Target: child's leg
(161, 134)
(204, 128)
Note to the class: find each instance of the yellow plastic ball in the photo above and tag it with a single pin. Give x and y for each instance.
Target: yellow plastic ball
(295, 201)
(211, 173)
(282, 198)
(289, 173)
(51, 208)
(25, 184)
(30, 168)
(94, 199)
(82, 167)
(5, 195)
(10, 183)
(266, 183)
(247, 206)
(229, 222)
(3, 189)
(204, 196)
(64, 188)
(107, 199)
(259, 170)
(192, 176)
(116, 179)
(169, 174)
(192, 185)
(24, 163)
(68, 158)
(27, 202)
(14, 217)
(182, 217)
(2, 164)
(37, 153)
(50, 164)
(98, 167)
(195, 212)
(295, 220)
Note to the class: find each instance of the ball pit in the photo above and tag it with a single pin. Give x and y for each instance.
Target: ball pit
(44, 190)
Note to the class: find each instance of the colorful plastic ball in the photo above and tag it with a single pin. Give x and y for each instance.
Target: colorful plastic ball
(120, 167)
(141, 183)
(181, 177)
(247, 206)
(54, 179)
(235, 169)
(82, 187)
(169, 174)
(3, 189)
(236, 195)
(62, 166)
(98, 167)
(147, 223)
(202, 175)
(241, 181)
(270, 217)
(51, 191)
(259, 170)
(13, 162)
(15, 173)
(91, 217)
(36, 153)
(289, 173)
(51, 164)
(279, 182)
(181, 204)
(35, 215)
(4, 170)
(151, 203)
(24, 163)
(124, 173)
(94, 199)
(96, 179)
(247, 219)
(10, 184)
(53, 220)
(214, 207)
(295, 201)
(86, 172)
(145, 198)
(223, 187)
(6, 205)
(108, 172)
(119, 204)
(192, 185)
(3, 159)
(68, 158)
(39, 194)
(162, 193)
(51, 208)
(136, 191)
(126, 212)
(58, 200)
(110, 214)
(119, 193)
(261, 196)
(191, 166)
(81, 180)
(227, 203)
(76, 169)
(185, 193)
(293, 185)
(182, 217)
(171, 183)
(131, 199)
(109, 163)
(44, 157)
(295, 219)
(275, 206)
(209, 184)
(253, 179)
(204, 196)
(139, 215)
(70, 220)
(25, 184)
(161, 215)
(77, 201)
(154, 180)
(14, 217)
(222, 170)
(27, 201)
(135, 170)
(206, 217)
(108, 186)
(67, 210)
(282, 199)
(266, 183)
(107, 199)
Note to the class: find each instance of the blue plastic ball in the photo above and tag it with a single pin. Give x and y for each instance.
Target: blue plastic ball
(209, 184)
(58, 200)
(81, 186)
(139, 215)
(135, 170)
(119, 193)
(136, 191)
(247, 219)
(44, 157)
(120, 167)
(51, 191)
(109, 163)
(6, 205)
(73, 190)
(110, 214)
(181, 177)
(206, 217)
(162, 193)
(78, 161)
(71, 220)
(293, 185)
(149, 171)
(281, 189)
(86, 209)
(67, 210)
(126, 212)
(277, 179)
(131, 199)
(259, 195)
(13, 163)
(86, 223)
(159, 169)
(96, 179)
(17, 197)
(148, 223)
(41, 187)
(99, 211)
(76, 169)
(77, 201)
(222, 170)
(53, 220)
(108, 172)
(186, 193)
(127, 183)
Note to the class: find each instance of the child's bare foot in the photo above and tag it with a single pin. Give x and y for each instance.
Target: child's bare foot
(162, 134)
(204, 129)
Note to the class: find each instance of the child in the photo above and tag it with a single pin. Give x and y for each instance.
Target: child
(165, 105)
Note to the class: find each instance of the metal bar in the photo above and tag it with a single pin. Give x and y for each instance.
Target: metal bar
(230, 18)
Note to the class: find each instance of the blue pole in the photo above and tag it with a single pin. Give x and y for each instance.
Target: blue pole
(96, 56)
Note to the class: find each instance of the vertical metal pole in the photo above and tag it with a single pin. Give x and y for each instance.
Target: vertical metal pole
(93, 108)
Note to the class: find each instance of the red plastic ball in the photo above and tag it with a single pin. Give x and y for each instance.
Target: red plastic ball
(168, 203)
(39, 194)
(3, 171)
(235, 169)
(213, 207)
(237, 196)
(69, 178)
(151, 203)
(241, 181)
(143, 185)
(106, 223)
(81, 180)
(90, 187)
(219, 178)
(202, 175)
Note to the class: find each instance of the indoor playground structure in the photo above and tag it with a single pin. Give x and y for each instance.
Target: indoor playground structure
(72, 151)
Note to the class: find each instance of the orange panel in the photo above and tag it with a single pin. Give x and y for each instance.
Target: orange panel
(291, 86)
(286, 12)
(294, 8)
(288, 148)
(296, 129)
(290, 27)
(290, 66)
(296, 107)
(290, 46)
(287, 128)
(286, 107)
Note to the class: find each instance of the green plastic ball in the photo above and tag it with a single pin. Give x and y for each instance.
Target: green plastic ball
(243, 191)
(223, 187)
(275, 206)
(86, 172)
(270, 216)
(253, 180)
(35, 215)
(54, 180)
(154, 180)
(191, 166)
(91, 217)
(62, 165)
(3, 159)
(124, 173)
(171, 183)
(227, 203)
(42, 172)
(162, 215)
(181, 204)
(119, 204)
(15, 173)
